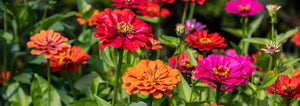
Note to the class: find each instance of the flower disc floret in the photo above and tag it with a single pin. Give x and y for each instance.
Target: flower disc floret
(150, 77)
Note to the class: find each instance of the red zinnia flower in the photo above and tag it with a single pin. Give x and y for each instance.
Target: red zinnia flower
(286, 87)
(153, 45)
(296, 39)
(2, 76)
(50, 42)
(201, 2)
(184, 65)
(128, 31)
(152, 10)
(129, 3)
(70, 61)
(204, 41)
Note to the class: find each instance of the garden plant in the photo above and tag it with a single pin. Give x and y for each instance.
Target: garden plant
(149, 53)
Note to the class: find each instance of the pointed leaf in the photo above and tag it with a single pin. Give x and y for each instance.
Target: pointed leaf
(255, 24)
(269, 79)
(100, 101)
(149, 19)
(85, 81)
(193, 61)
(284, 36)
(261, 41)
(236, 32)
(169, 40)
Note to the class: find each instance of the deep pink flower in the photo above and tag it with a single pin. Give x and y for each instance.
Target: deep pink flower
(228, 71)
(184, 64)
(243, 7)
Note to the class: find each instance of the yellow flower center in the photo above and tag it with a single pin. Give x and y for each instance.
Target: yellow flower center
(66, 61)
(186, 64)
(244, 9)
(221, 71)
(288, 88)
(52, 43)
(125, 28)
(152, 10)
(204, 41)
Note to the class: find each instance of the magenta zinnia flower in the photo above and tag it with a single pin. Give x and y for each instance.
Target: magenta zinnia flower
(227, 71)
(243, 7)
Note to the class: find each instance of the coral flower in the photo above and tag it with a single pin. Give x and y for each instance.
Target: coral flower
(227, 71)
(153, 45)
(150, 77)
(90, 21)
(152, 10)
(166, 1)
(204, 41)
(286, 87)
(70, 61)
(129, 3)
(296, 39)
(127, 31)
(296, 73)
(2, 76)
(184, 64)
(50, 42)
(201, 2)
(244, 7)
(192, 26)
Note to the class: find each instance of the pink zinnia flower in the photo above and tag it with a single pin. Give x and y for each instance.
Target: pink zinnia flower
(243, 7)
(227, 71)
(184, 64)
(191, 26)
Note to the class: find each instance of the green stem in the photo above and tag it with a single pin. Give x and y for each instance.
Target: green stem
(184, 12)
(288, 101)
(114, 99)
(274, 61)
(191, 96)
(150, 100)
(179, 51)
(49, 81)
(5, 46)
(44, 16)
(218, 93)
(159, 28)
(84, 27)
(245, 34)
(255, 99)
(273, 32)
(192, 9)
(270, 64)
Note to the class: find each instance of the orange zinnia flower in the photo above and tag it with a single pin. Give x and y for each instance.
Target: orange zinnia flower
(296, 73)
(50, 42)
(150, 77)
(70, 61)
(90, 21)
(153, 45)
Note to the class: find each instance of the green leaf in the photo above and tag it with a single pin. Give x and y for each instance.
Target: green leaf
(55, 18)
(100, 101)
(17, 96)
(98, 66)
(24, 78)
(284, 36)
(269, 79)
(168, 40)
(65, 98)
(261, 41)
(236, 48)
(5, 36)
(84, 7)
(85, 81)
(140, 103)
(87, 40)
(255, 24)
(236, 32)
(95, 85)
(193, 61)
(292, 62)
(106, 57)
(184, 90)
(34, 59)
(85, 102)
(39, 93)
(149, 19)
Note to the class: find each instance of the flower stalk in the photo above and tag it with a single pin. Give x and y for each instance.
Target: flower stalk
(49, 81)
(244, 22)
(192, 9)
(117, 77)
(184, 12)
(218, 96)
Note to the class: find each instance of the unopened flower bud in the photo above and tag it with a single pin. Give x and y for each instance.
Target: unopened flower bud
(272, 9)
(180, 30)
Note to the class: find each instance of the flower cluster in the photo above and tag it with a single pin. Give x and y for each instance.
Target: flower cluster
(150, 77)
(227, 71)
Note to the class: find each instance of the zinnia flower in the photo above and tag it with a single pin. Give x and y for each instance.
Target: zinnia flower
(152, 10)
(296, 73)
(192, 26)
(150, 77)
(90, 21)
(272, 9)
(272, 48)
(227, 71)
(244, 7)
(118, 30)
(184, 64)
(201, 2)
(2, 75)
(153, 45)
(52, 43)
(296, 39)
(204, 41)
(286, 87)
(129, 3)
(70, 61)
